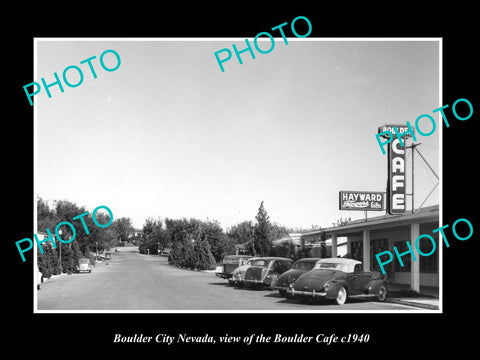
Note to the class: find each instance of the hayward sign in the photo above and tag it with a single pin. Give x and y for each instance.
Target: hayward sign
(361, 200)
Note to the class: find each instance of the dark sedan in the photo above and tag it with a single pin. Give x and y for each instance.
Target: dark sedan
(282, 284)
(337, 279)
(266, 270)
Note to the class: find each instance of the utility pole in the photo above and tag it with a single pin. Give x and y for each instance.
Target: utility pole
(60, 232)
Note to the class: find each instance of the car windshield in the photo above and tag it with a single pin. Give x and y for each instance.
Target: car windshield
(261, 263)
(308, 265)
(84, 261)
(334, 266)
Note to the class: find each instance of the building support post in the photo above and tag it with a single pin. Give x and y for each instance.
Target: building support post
(366, 250)
(414, 265)
(334, 245)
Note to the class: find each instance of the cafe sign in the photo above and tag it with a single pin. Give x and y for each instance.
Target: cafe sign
(362, 200)
(396, 189)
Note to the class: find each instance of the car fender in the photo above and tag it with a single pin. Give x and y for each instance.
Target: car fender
(375, 285)
(267, 280)
(332, 291)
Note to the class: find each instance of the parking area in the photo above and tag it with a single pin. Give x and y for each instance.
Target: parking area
(133, 282)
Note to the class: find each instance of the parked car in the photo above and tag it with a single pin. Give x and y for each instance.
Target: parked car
(39, 279)
(238, 274)
(84, 265)
(105, 256)
(282, 284)
(337, 279)
(165, 252)
(230, 263)
(266, 270)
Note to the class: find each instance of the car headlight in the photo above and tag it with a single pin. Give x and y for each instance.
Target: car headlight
(272, 277)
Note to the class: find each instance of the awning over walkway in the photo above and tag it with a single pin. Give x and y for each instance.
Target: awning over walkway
(411, 221)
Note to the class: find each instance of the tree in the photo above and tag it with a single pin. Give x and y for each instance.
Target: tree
(191, 242)
(204, 259)
(46, 217)
(100, 238)
(123, 228)
(284, 249)
(212, 232)
(48, 262)
(154, 237)
(262, 233)
(241, 232)
(65, 211)
(180, 234)
(278, 231)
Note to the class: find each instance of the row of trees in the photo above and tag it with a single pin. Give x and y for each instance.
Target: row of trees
(65, 257)
(193, 243)
(200, 244)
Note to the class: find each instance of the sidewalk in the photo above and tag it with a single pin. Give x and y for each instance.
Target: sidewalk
(427, 298)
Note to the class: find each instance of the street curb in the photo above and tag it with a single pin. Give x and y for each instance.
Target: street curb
(412, 303)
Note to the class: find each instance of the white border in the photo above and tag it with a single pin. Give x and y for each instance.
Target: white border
(134, 39)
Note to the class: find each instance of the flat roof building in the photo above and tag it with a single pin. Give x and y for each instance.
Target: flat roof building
(368, 237)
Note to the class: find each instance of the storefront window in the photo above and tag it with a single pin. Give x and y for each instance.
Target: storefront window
(356, 249)
(376, 247)
(428, 264)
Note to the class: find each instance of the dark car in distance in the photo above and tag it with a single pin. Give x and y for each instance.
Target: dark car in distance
(266, 270)
(230, 263)
(337, 279)
(282, 284)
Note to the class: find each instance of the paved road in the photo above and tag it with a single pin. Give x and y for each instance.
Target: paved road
(132, 281)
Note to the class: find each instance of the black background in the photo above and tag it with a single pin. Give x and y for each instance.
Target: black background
(395, 334)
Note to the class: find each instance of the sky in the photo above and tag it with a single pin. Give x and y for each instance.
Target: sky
(168, 134)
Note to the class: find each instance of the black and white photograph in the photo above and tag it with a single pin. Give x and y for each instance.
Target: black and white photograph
(296, 179)
(219, 182)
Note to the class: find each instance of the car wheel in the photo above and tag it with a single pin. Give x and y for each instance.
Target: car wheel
(231, 282)
(282, 292)
(341, 296)
(382, 293)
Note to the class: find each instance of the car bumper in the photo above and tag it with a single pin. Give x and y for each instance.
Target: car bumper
(312, 294)
(239, 278)
(254, 281)
(224, 275)
(280, 288)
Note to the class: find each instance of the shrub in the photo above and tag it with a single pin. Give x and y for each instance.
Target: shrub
(48, 262)
(204, 257)
(285, 249)
(192, 255)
